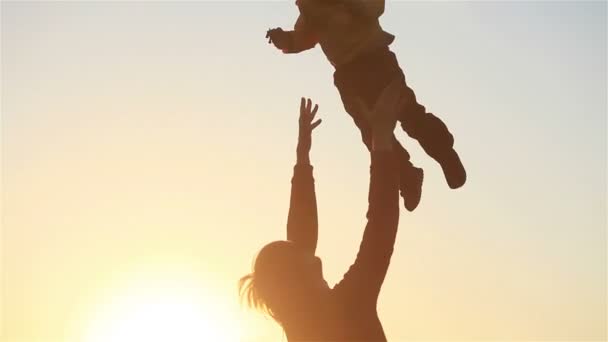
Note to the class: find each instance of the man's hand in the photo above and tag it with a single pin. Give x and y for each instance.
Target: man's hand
(383, 117)
(306, 126)
(279, 38)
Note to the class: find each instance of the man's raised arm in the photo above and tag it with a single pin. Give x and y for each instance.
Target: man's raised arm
(302, 221)
(365, 277)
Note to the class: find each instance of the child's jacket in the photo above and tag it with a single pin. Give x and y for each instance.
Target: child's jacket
(343, 28)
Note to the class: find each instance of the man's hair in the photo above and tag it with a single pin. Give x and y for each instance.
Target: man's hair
(250, 294)
(260, 288)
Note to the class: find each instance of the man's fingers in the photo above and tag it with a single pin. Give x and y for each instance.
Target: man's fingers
(315, 124)
(390, 97)
(302, 102)
(362, 107)
(314, 112)
(388, 94)
(402, 103)
(307, 112)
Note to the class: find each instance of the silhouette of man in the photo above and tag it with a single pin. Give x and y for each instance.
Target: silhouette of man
(287, 280)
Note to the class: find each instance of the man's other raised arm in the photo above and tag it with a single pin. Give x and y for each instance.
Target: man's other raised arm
(302, 220)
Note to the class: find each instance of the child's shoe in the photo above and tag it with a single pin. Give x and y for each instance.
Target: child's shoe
(453, 170)
(411, 187)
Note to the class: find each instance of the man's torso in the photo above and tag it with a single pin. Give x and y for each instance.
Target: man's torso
(341, 318)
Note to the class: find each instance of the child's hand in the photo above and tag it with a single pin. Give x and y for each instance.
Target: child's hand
(279, 38)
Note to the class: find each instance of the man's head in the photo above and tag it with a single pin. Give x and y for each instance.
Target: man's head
(284, 278)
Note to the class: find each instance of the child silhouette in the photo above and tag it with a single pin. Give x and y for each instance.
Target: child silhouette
(353, 41)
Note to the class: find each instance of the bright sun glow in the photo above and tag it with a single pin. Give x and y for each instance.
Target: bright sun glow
(158, 310)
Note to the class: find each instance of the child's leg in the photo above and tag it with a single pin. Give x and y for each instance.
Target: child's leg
(434, 137)
(432, 134)
(371, 73)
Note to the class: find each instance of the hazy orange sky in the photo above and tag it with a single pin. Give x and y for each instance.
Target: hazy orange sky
(146, 141)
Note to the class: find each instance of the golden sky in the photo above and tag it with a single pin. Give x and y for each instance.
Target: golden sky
(147, 151)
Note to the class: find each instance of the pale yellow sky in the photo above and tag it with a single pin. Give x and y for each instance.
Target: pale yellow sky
(147, 141)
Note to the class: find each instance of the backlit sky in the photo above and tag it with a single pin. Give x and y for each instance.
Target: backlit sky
(152, 136)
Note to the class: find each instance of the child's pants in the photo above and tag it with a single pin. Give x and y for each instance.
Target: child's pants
(365, 78)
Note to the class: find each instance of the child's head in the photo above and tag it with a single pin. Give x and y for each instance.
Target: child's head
(311, 4)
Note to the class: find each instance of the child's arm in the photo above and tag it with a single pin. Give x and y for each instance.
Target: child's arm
(303, 37)
(298, 40)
